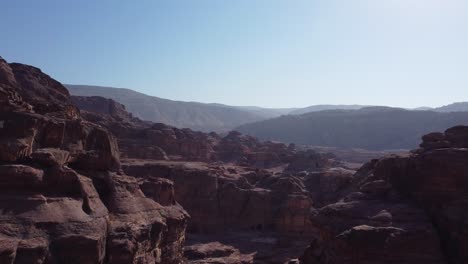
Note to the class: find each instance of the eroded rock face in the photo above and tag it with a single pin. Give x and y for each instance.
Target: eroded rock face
(63, 197)
(144, 140)
(108, 108)
(216, 252)
(437, 178)
(401, 209)
(224, 198)
(10, 99)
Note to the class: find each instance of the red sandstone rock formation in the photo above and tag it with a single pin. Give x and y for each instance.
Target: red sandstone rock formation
(401, 209)
(216, 252)
(63, 198)
(234, 198)
(66, 196)
(235, 194)
(138, 139)
(54, 151)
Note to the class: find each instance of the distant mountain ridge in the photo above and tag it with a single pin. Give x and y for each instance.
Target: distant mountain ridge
(209, 117)
(197, 116)
(455, 107)
(373, 128)
(317, 108)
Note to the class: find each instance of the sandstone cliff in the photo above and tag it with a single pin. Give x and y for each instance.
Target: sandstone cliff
(401, 209)
(64, 198)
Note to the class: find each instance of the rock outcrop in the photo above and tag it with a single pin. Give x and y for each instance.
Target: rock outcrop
(234, 198)
(63, 197)
(223, 198)
(103, 109)
(401, 209)
(138, 139)
(216, 252)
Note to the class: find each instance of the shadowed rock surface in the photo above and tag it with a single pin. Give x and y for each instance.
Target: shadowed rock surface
(401, 209)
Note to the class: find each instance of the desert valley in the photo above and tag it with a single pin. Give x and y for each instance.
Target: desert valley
(85, 181)
(234, 132)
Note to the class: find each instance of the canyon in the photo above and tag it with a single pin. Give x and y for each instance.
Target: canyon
(84, 181)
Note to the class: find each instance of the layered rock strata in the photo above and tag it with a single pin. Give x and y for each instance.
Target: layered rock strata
(64, 198)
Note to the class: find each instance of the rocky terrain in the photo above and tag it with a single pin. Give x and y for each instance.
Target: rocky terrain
(230, 185)
(401, 209)
(84, 181)
(64, 197)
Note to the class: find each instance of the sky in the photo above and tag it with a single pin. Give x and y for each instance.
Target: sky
(270, 53)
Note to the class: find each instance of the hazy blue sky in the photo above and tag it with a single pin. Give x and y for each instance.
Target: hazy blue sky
(246, 52)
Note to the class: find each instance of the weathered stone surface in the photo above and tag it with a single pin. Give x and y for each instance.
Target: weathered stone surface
(18, 176)
(216, 252)
(367, 230)
(101, 152)
(62, 225)
(437, 179)
(327, 185)
(232, 198)
(10, 99)
(62, 198)
(401, 209)
(108, 108)
(209, 250)
(45, 94)
(51, 157)
(159, 189)
(89, 145)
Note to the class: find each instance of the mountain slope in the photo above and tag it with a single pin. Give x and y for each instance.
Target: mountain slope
(375, 128)
(267, 112)
(197, 116)
(455, 107)
(317, 108)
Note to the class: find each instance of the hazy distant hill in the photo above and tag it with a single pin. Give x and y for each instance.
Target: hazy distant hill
(268, 112)
(211, 117)
(316, 108)
(455, 107)
(375, 128)
(197, 116)
(422, 108)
